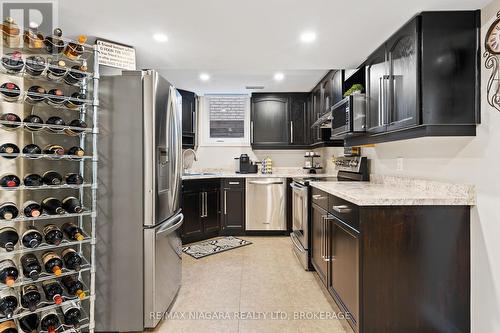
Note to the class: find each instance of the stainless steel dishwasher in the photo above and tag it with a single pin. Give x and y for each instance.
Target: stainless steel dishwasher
(265, 203)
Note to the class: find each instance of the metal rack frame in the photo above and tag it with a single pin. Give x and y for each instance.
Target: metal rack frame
(84, 218)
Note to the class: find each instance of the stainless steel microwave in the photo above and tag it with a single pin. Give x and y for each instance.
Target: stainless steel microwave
(349, 116)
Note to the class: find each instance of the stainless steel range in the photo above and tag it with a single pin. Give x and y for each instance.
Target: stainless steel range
(353, 168)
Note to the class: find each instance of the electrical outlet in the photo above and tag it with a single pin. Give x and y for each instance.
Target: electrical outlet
(399, 164)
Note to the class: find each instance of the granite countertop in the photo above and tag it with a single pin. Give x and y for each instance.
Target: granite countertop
(398, 191)
(251, 175)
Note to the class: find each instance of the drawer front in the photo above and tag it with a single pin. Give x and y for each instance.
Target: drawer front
(344, 210)
(320, 198)
(194, 185)
(233, 183)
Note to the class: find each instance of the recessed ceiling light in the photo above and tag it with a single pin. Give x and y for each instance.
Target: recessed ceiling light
(308, 37)
(279, 76)
(159, 37)
(204, 77)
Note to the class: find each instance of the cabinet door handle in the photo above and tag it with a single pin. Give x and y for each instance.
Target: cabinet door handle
(202, 202)
(323, 237)
(234, 183)
(291, 131)
(206, 204)
(193, 118)
(343, 209)
(225, 202)
(251, 132)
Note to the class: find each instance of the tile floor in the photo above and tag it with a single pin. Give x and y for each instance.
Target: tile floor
(261, 279)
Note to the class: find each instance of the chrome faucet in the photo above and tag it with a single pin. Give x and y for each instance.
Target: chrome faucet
(195, 157)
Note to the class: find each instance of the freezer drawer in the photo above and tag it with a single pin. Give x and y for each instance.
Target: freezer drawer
(265, 204)
(162, 268)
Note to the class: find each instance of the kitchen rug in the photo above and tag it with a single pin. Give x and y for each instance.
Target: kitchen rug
(206, 248)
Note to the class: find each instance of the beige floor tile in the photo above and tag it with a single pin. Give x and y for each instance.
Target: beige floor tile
(261, 279)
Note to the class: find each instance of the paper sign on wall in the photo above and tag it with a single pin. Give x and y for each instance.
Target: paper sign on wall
(116, 55)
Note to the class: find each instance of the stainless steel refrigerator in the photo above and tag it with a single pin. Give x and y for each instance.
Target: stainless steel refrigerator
(138, 250)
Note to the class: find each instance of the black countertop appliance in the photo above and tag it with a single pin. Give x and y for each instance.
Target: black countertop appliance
(246, 165)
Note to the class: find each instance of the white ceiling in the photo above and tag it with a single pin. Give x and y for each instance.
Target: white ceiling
(242, 42)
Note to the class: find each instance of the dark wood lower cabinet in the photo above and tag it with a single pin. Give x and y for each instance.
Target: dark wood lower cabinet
(201, 208)
(233, 206)
(319, 237)
(395, 268)
(212, 207)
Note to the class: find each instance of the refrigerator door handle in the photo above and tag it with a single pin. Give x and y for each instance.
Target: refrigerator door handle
(171, 225)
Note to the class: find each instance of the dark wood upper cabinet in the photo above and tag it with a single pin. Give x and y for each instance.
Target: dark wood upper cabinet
(425, 79)
(402, 50)
(188, 118)
(298, 119)
(337, 83)
(377, 78)
(269, 120)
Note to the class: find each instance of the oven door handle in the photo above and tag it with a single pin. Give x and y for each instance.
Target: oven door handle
(295, 243)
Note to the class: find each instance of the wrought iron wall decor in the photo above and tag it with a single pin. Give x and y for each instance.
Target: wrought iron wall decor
(492, 62)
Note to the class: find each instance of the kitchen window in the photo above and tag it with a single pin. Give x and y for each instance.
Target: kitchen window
(226, 120)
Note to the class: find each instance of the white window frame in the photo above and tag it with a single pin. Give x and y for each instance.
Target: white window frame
(205, 125)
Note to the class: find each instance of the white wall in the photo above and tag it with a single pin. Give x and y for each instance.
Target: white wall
(223, 157)
(475, 161)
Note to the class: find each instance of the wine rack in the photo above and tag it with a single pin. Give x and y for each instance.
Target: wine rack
(21, 133)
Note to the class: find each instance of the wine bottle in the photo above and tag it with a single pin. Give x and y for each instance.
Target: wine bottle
(53, 291)
(78, 124)
(35, 94)
(72, 205)
(32, 149)
(77, 99)
(73, 286)
(72, 231)
(33, 179)
(55, 120)
(73, 179)
(13, 62)
(29, 323)
(9, 148)
(50, 321)
(54, 44)
(56, 69)
(32, 209)
(10, 91)
(33, 122)
(31, 266)
(8, 238)
(55, 97)
(72, 314)
(53, 150)
(8, 211)
(12, 117)
(8, 303)
(52, 234)
(31, 238)
(52, 178)
(76, 151)
(75, 49)
(52, 206)
(76, 74)
(8, 326)
(10, 180)
(8, 272)
(32, 37)
(72, 260)
(30, 296)
(35, 65)
(52, 263)
(11, 32)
